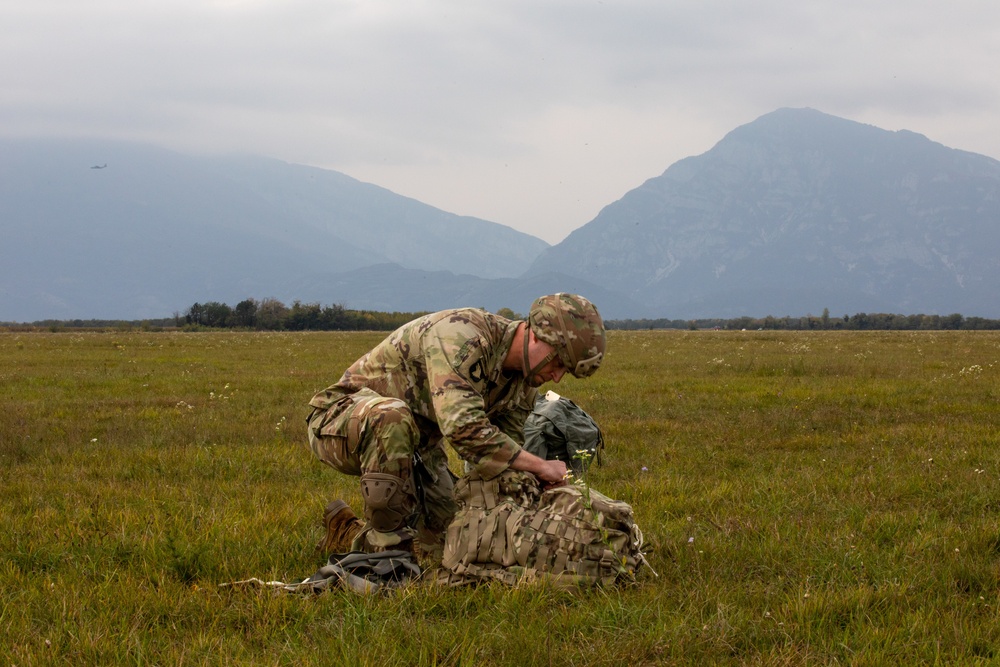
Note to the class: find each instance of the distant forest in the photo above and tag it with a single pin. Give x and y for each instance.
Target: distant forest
(273, 315)
(856, 322)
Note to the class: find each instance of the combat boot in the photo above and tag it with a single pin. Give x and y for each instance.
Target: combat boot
(342, 526)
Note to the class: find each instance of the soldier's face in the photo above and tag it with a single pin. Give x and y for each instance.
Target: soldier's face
(550, 372)
(553, 371)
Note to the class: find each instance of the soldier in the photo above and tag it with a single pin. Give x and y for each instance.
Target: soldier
(465, 376)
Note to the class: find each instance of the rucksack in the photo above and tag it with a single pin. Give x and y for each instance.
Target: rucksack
(558, 428)
(509, 529)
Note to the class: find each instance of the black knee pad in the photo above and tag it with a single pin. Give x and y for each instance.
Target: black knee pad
(388, 500)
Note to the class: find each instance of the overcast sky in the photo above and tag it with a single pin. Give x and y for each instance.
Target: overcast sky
(531, 113)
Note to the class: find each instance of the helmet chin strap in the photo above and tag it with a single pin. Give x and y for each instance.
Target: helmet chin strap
(530, 373)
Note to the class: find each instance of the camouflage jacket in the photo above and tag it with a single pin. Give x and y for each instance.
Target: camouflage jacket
(447, 366)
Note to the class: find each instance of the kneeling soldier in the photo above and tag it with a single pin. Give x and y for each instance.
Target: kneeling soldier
(465, 376)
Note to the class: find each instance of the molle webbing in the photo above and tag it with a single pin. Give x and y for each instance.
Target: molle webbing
(508, 529)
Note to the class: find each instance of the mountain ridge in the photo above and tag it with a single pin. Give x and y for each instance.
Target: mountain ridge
(796, 212)
(154, 231)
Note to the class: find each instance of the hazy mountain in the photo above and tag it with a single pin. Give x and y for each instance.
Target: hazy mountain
(796, 212)
(392, 288)
(793, 213)
(112, 230)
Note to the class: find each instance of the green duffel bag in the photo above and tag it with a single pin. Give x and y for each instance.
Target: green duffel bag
(558, 428)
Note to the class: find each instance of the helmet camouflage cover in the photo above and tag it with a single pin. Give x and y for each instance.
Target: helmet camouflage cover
(571, 325)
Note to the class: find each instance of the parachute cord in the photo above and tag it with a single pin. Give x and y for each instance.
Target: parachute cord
(638, 548)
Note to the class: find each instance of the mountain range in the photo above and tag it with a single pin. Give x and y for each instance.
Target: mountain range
(112, 230)
(793, 213)
(800, 211)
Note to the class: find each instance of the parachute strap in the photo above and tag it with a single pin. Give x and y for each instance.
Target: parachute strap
(471, 540)
(559, 566)
(364, 573)
(480, 493)
(487, 531)
(490, 490)
(545, 556)
(523, 550)
(497, 553)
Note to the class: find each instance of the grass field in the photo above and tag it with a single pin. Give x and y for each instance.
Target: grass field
(812, 498)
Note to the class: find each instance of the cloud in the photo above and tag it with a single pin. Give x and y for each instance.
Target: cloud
(531, 113)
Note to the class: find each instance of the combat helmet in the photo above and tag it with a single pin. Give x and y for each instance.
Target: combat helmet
(570, 324)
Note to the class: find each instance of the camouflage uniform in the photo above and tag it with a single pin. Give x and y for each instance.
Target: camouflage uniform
(438, 378)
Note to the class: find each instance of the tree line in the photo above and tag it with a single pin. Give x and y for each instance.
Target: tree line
(273, 315)
(856, 322)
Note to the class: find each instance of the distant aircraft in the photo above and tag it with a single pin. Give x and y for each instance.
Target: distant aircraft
(100, 166)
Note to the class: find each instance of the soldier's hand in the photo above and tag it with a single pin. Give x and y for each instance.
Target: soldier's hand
(553, 473)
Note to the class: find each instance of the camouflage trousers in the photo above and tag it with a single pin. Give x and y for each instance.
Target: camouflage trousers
(364, 433)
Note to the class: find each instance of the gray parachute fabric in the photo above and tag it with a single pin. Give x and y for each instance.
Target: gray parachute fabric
(559, 429)
(357, 571)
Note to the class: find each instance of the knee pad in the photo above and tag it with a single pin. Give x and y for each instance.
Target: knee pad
(388, 500)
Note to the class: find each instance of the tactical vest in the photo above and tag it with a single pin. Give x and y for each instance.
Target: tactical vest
(510, 530)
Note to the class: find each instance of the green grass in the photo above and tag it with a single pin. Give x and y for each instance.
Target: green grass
(812, 498)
